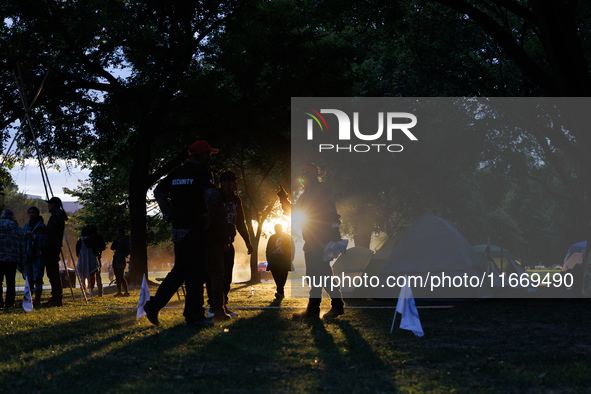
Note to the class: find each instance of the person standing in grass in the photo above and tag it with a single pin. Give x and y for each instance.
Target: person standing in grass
(99, 246)
(215, 255)
(181, 197)
(87, 259)
(279, 252)
(52, 248)
(122, 249)
(233, 223)
(34, 231)
(12, 254)
(321, 226)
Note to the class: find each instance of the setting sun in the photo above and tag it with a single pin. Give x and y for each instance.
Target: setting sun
(297, 219)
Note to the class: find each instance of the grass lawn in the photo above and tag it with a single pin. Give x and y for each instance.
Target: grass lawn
(20, 281)
(502, 345)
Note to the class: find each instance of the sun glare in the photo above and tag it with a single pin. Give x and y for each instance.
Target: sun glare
(297, 219)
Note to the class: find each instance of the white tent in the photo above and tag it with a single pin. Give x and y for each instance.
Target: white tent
(352, 263)
(500, 258)
(434, 247)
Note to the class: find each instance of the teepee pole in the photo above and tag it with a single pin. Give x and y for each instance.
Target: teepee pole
(44, 176)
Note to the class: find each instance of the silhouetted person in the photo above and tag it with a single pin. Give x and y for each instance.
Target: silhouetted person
(278, 255)
(34, 231)
(52, 247)
(12, 254)
(223, 232)
(99, 246)
(122, 249)
(181, 197)
(87, 264)
(215, 244)
(321, 225)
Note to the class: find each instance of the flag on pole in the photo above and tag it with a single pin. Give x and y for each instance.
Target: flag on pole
(408, 310)
(144, 296)
(27, 300)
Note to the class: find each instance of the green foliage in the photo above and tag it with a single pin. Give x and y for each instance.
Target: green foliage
(112, 92)
(128, 102)
(105, 205)
(5, 183)
(20, 204)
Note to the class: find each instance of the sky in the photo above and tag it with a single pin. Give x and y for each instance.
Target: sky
(29, 181)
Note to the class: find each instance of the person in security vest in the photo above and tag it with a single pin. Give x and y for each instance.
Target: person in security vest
(181, 197)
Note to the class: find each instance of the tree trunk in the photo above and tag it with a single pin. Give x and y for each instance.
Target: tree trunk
(255, 277)
(363, 238)
(364, 226)
(138, 188)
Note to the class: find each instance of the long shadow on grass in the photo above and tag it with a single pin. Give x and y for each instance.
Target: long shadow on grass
(351, 362)
(56, 356)
(67, 331)
(252, 352)
(245, 353)
(262, 350)
(110, 352)
(248, 353)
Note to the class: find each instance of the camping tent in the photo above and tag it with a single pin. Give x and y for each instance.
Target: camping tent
(432, 247)
(383, 250)
(509, 263)
(354, 259)
(352, 263)
(574, 256)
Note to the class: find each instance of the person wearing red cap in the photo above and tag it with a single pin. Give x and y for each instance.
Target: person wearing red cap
(181, 197)
(201, 147)
(320, 227)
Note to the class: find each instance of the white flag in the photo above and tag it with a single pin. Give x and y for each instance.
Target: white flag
(408, 310)
(27, 303)
(144, 296)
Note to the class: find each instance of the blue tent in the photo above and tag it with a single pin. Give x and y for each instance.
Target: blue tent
(576, 248)
(574, 256)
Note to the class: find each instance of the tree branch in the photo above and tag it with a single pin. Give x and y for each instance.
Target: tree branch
(505, 39)
(92, 67)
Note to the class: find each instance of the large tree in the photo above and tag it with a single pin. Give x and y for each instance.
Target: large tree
(285, 49)
(547, 44)
(479, 48)
(111, 90)
(116, 72)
